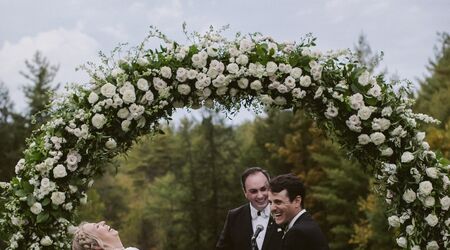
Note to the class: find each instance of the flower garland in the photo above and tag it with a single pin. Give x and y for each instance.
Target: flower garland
(127, 97)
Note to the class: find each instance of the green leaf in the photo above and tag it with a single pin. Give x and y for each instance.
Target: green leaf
(31, 200)
(42, 217)
(21, 193)
(45, 202)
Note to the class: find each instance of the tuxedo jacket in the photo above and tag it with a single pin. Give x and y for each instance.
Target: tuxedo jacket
(305, 234)
(238, 230)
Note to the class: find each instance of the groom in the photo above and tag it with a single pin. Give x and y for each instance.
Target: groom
(243, 223)
(301, 232)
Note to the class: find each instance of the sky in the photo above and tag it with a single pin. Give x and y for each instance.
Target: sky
(70, 33)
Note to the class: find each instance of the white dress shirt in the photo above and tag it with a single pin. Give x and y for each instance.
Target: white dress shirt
(261, 219)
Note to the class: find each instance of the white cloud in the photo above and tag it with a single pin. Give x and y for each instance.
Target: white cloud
(67, 48)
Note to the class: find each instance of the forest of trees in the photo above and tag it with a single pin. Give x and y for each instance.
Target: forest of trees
(172, 191)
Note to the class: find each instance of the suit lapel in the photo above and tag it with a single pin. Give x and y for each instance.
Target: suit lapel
(271, 229)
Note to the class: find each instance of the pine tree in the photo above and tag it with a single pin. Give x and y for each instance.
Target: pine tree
(41, 75)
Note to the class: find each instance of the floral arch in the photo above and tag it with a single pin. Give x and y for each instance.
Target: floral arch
(127, 97)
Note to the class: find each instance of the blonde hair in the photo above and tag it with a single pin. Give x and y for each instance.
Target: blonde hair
(86, 241)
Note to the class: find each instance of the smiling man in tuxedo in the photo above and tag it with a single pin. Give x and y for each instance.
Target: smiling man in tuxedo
(301, 232)
(243, 223)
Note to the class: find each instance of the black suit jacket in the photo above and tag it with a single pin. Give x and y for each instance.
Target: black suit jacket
(305, 234)
(238, 230)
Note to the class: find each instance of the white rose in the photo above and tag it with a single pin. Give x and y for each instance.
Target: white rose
(298, 93)
(363, 79)
(380, 124)
(59, 171)
(245, 45)
(410, 229)
(149, 97)
(289, 82)
(401, 242)
(108, 90)
(46, 241)
(282, 89)
(212, 52)
(425, 188)
(242, 60)
(331, 112)
(280, 101)
(429, 201)
(356, 101)
(305, 81)
(192, 74)
(73, 189)
(415, 247)
(58, 198)
(296, 73)
(142, 84)
(181, 74)
(243, 83)
(166, 72)
(364, 113)
(318, 92)
(111, 144)
(407, 157)
(129, 96)
(420, 136)
(432, 245)
(256, 85)
(271, 68)
(142, 61)
(363, 139)
(159, 83)
(432, 220)
(125, 125)
(266, 99)
(387, 111)
(184, 89)
(36, 208)
(387, 151)
(93, 98)
(233, 68)
(99, 120)
(377, 138)
(432, 172)
(375, 91)
(445, 203)
(123, 113)
(394, 221)
(116, 72)
(409, 196)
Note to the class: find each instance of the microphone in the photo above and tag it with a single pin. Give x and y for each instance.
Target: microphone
(259, 228)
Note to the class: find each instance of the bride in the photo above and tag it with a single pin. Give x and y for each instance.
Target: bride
(98, 236)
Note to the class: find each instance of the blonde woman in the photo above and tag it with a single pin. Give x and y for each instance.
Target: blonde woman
(97, 236)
